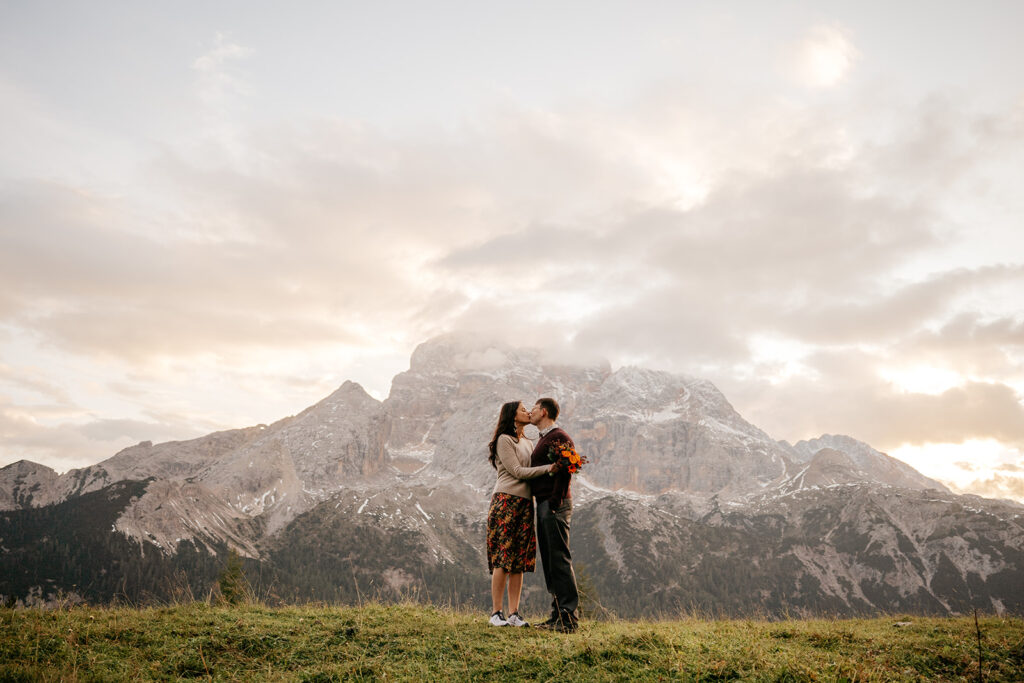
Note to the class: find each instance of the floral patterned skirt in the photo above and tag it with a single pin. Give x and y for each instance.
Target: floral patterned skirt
(511, 543)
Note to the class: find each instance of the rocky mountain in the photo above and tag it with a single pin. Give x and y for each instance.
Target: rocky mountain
(26, 484)
(841, 549)
(864, 458)
(684, 504)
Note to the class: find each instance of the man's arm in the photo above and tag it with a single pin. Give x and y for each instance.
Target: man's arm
(562, 475)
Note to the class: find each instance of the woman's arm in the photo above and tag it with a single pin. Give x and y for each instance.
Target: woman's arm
(510, 461)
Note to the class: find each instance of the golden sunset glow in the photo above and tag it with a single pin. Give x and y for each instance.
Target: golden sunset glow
(825, 56)
(922, 379)
(982, 466)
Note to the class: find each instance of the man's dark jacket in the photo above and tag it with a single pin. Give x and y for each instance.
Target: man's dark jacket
(553, 487)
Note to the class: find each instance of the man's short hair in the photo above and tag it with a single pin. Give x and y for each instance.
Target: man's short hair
(550, 405)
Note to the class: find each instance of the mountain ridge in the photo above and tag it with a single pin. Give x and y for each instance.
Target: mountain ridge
(680, 487)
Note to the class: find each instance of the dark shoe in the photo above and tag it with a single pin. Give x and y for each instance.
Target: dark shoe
(567, 623)
(560, 625)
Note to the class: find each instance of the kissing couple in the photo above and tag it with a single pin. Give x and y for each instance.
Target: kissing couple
(529, 473)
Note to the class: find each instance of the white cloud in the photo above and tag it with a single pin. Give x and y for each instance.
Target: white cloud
(823, 57)
(65, 445)
(765, 248)
(996, 486)
(222, 90)
(217, 80)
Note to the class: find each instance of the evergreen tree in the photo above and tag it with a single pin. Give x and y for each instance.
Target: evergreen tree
(234, 586)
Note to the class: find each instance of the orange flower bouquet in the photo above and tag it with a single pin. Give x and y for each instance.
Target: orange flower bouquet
(564, 452)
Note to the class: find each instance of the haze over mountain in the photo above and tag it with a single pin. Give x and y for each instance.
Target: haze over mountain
(684, 503)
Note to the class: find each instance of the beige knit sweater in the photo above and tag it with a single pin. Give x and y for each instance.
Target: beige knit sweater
(512, 462)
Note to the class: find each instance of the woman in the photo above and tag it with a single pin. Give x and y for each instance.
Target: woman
(511, 544)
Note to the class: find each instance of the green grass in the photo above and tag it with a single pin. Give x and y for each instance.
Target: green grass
(414, 642)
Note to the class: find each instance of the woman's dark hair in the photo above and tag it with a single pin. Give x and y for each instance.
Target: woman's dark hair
(506, 425)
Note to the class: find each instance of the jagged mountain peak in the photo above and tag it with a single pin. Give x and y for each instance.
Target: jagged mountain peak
(840, 442)
(826, 468)
(462, 352)
(25, 483)
(353, 389)
(472, 353)
(659, 389)
(829, 457)
(176, 459)
(349, 395)
(23, 467)
(878, 466)
(637, 382)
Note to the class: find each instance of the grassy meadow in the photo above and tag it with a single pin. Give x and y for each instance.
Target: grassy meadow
(416, 642)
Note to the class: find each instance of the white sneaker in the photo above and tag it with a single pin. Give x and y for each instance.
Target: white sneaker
(498, 619)
(515, 620)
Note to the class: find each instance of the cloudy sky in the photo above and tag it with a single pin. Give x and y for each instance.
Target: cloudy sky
(212, 214)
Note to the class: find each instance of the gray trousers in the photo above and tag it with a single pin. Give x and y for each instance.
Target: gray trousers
(553, 542)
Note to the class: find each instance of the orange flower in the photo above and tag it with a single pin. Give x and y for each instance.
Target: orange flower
(563, 451)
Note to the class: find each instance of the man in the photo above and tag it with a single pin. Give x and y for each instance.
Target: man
(554, 510)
